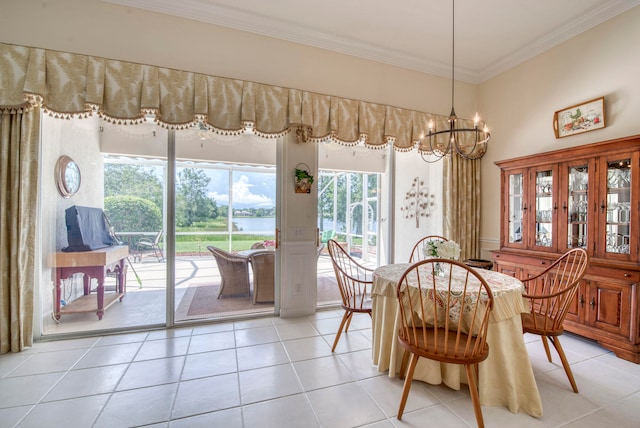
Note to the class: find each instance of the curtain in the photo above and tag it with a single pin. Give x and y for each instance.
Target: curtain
(66, 85)
(19, 142)
(462, 204)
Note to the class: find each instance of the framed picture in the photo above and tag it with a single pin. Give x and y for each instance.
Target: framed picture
(584, 117)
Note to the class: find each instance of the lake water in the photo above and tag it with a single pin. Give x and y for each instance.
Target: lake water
(256, 224)
(267, 224)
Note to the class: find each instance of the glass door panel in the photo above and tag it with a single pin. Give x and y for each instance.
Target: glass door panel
(348, 213)
(226, 200)
(123, 176)
(544, 208)
(618, 207)
(577, 206)
(516, 205)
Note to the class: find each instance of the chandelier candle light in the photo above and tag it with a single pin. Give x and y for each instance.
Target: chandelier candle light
(468, 143)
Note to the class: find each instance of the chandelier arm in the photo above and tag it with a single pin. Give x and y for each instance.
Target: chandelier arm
(435, 151)
(432, 154)
(475, 144)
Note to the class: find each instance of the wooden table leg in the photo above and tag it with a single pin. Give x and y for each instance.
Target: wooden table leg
(57, 295)
(100, 296)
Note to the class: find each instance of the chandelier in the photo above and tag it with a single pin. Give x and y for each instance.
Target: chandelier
(468, 142)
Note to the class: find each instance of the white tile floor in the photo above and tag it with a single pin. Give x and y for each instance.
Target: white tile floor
(272, 372)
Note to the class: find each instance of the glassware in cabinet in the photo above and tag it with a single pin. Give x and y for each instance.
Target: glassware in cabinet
(577, 206)
(544, 207)
(516, 207)
(617, 206)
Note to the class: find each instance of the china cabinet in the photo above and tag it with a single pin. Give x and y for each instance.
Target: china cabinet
(587, 197)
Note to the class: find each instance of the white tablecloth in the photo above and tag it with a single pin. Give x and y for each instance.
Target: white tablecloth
(506, 377)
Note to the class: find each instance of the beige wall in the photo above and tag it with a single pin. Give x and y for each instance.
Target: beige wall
(519, 104)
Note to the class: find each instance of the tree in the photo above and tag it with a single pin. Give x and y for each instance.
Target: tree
(345, 182)
(133, 180)
(192, 202)
(132, 214)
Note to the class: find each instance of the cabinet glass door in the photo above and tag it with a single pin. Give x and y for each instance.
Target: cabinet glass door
(618, 207)
(577, 206)
(544, 208)
(515, 207)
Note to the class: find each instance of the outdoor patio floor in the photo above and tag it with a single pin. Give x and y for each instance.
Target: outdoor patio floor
(144, 305)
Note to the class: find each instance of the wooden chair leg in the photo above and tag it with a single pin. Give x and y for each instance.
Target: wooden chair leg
(403, 367)
(546, 347)
(346, 328)
(345, 317)
(475, 397)
(565, 363)
(407, 384)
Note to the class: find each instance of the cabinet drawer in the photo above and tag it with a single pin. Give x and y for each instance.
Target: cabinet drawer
(600, 272)
(521, 260)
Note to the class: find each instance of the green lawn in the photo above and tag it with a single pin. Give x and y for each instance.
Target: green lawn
(198, 243)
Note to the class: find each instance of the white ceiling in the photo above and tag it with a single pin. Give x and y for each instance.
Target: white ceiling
(491, 36)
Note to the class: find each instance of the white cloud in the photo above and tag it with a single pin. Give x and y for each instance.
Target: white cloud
(221, 199)
(242, 195)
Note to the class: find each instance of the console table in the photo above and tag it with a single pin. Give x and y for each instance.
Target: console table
(96, 264)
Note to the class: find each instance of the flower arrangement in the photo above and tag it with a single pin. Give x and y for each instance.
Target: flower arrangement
(442, 249)
(269, 243)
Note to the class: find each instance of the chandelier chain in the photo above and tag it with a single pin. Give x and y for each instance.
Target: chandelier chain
(468, 143)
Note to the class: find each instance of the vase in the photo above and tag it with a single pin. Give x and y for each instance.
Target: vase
(438, 269)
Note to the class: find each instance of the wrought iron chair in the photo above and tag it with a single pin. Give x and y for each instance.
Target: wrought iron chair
(353, 280)
(550, 294)
(148, 245)
(418, 251)
(234, 271)
(444, 318)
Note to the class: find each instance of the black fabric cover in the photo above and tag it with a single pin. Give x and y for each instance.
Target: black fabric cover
(87, 229)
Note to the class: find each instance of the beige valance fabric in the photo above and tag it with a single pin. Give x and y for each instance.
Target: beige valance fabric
(67, 84)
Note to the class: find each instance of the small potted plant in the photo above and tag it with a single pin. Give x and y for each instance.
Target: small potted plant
(303, 179)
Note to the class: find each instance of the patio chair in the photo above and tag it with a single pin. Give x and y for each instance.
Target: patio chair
(418, 251)
(319, 250)
(550, 294)
(353, 281)
(234, 271)
(326, 235)
(263, 268)
(148, 245)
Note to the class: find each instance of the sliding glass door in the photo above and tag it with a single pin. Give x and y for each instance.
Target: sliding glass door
(225, 207)
(348, 210)
(224, 196)
(104, 266)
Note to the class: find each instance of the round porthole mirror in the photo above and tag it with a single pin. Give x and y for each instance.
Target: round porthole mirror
(67, 176)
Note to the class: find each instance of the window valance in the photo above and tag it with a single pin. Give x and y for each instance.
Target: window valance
(67, 84)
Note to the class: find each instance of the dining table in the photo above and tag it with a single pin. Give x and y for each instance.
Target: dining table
(505, 378)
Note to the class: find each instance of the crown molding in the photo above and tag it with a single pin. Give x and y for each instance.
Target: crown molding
(230, 17)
